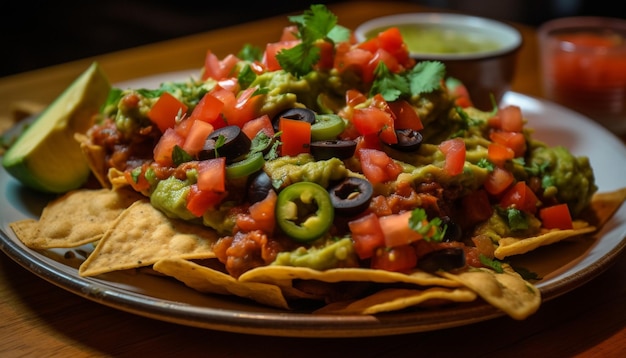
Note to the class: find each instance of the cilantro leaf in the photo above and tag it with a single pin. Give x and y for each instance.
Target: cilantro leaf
(250, 53)
(390, 85)
(431, 230)
(180, 156)
(426, 76)
(491, 263)
(316, 24)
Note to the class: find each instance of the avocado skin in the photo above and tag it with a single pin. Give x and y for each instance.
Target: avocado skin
(46, 157)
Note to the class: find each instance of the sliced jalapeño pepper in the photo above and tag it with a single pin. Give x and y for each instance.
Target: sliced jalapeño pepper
(304, 211)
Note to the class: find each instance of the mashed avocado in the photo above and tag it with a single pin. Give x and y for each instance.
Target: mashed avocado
(333, 255)
(287, 170)
(169, 196)
(568, 178)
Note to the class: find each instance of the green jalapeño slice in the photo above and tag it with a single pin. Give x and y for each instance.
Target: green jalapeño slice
(304, 211)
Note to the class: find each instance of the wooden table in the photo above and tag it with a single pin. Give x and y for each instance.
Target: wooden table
(40, 319)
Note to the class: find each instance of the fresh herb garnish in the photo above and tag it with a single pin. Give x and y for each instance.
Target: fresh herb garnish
(432, 230)
(316, 24)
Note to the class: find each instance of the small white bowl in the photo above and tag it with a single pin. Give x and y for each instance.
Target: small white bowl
(485, 72)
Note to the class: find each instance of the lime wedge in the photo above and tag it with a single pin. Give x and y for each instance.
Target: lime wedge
(46, 157)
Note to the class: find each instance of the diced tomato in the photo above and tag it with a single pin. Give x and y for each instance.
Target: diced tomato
(498, 181)
(257, 125)
(514, 140)
(396, 229)
(218, 69)
(476, 207)
(498, 154)
(246, 107)
(556, 217)
(459, 92)
(354, 97)
(197, 136)
(199, 201)
(272, 49)
(377, 166)
(354, 59)
(508, 119)
(295, 136)
(212, 175)
(454, 150)
(140, 183)
(385, 57)
(369, 141)
(165, 111)
(260, 215)
(208, 109)
(397, 259)
(372, 120)
(406, 116)
(290, 33)
(367, 235)
(327, 55)
(521, 197)
(391, 42)
(163, 150)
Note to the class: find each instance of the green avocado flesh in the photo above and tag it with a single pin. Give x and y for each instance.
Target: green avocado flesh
(46, 157)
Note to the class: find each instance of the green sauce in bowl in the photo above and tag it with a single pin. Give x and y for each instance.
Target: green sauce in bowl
(439, 40)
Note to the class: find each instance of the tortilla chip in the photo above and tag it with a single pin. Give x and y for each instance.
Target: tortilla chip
(507, 291)
(208, 280)
(76, 218)
(25, 230)
(395, 299)
(602, 207)
(96, 159)
(283, 275)
(508, 246)
(143, 235)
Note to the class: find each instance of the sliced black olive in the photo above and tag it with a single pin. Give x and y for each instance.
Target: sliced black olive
(230, 141)
(409, 140)
(453, 230)
(326, 149)
(300, 114)
(352, 196)
(259, 186)
(445, 259)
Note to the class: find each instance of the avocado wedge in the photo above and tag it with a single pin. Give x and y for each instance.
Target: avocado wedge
(46, 157)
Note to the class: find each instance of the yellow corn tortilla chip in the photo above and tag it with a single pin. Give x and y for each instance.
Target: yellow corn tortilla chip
(143, 235)
(95, 156)
(508, 246)
(283, 275)
(507, 291)
(76, 218)
(395, 299)
(25, 230)
(208, 280)
(602, 207)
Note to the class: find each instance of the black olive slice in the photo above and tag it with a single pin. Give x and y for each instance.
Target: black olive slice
(231, 143)
(409, 140)
(453, 230)
(445, 259)
(326, 149)
(300, 114)
(259, 186)
(352, 196)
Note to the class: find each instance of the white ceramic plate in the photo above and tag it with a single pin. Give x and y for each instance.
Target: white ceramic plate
(578, 261)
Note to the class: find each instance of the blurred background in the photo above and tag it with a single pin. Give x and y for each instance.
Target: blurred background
(39, 33)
